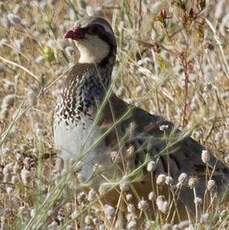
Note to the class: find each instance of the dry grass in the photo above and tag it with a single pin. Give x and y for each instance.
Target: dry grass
(172, 60)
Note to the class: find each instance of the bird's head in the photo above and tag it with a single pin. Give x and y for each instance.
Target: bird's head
(94, 39)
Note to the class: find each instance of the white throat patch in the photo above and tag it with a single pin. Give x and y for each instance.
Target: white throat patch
(92, 49)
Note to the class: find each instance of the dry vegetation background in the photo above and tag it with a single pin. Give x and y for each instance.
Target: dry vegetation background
(172, 60)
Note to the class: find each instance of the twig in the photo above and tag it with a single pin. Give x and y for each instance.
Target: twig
(20, 67)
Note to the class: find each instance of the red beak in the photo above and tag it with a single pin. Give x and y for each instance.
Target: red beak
(75, 33)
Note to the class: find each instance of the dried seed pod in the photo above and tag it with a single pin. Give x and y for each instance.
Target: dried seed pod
(226, 159)
(131, 208)
(109, 211)
(198, 201)
(161, 179)
(162, 204)
(132, 224)
(129, 197)
(74, 214)
(124, 184)
(205, 156)
(169, 180)
(192, 182)
(204, 218)
(183, 178)
(143, 204)
(211, 185)
(9, 190)
(151, 166)
(88, 220)
(151, 196)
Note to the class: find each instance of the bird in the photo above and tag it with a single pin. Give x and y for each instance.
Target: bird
(96, 128)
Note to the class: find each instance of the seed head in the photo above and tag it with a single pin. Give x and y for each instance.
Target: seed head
(169, 180)
(130, 152)
(204, 218)
(88, 220)
(124, 184)
(151, 196)
(132, 224)
(226, 159)
(131, 208)
(198, 201)
(143, 204)
(161, 179)
(74, 214)
(163, 127)
(182, 179)
(192, 182)
(129, 197)
(151, 166)
(130, 216)
(211, 185)
(9, 190)
(109, 211)
(162, 204)
(205, 156)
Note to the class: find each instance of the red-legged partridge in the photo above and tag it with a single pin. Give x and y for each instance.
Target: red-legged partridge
(90, 124)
